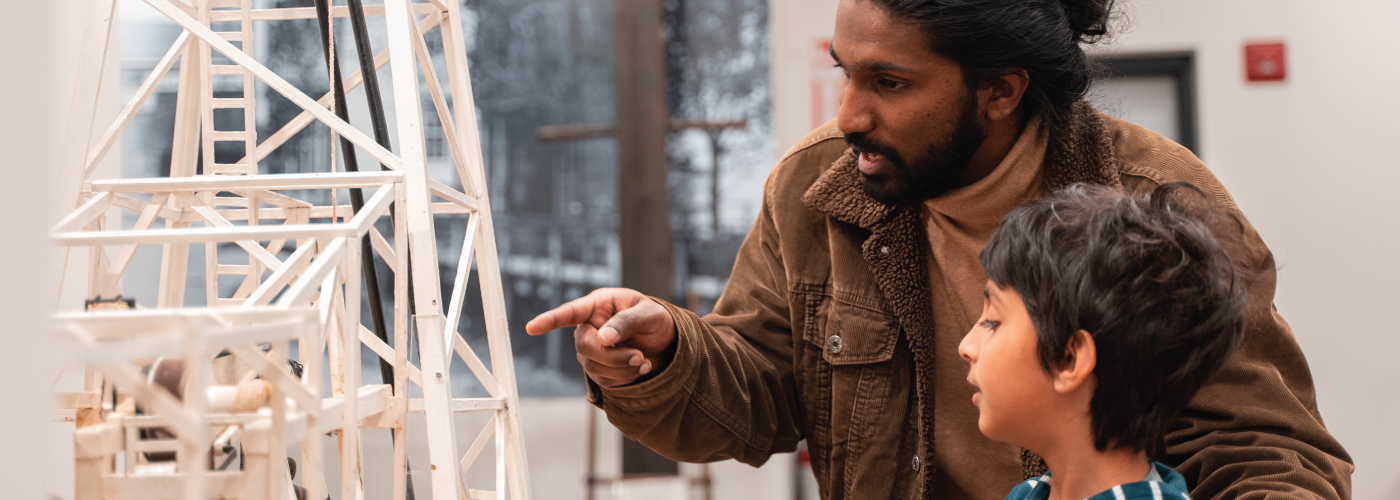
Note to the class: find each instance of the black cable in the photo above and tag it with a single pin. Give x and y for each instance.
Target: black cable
(381, 136)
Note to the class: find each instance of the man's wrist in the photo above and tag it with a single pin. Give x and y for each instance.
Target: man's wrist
(663, 359)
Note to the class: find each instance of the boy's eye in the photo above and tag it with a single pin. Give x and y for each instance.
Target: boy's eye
(990, 325)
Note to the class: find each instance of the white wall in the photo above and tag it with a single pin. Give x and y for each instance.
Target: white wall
(1310, 161)
(29, 150)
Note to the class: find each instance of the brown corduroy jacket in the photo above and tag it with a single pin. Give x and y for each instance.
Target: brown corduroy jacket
(825, 261)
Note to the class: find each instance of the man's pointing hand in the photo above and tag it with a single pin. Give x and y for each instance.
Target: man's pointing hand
(621, 334)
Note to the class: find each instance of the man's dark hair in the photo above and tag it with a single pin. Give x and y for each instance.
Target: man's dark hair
(1146, 278)
(990, 38)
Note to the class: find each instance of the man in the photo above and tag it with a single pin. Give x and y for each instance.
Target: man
(841, 321)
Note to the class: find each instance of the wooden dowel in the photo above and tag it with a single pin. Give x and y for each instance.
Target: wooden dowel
(328, 180)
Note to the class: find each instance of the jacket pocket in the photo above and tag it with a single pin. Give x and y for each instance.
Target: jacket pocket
(856, 335)
(863, 396)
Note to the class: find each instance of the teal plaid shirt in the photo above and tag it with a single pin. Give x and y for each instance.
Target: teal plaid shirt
(1163, 484)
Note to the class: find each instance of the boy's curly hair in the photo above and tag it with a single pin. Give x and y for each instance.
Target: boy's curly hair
(1146, 278)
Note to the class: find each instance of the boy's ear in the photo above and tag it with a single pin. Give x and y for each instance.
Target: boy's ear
(1080, 359)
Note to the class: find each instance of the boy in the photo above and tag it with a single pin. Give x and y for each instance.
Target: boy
(1103, 316)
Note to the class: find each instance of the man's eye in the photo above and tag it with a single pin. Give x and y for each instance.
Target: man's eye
(990, 325)
(889, 84)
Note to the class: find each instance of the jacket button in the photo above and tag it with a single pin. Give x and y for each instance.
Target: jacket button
(834, 344)
(917, 463)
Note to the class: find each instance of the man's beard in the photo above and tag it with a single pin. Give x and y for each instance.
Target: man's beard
(934, 173)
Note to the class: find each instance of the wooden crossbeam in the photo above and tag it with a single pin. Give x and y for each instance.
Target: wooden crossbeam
(277, 83)
(456, 302)
(293, 265)
(336, 180)
(144, 92)
(384, 351)
(293, 13)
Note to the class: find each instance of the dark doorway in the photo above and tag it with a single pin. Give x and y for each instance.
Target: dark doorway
(1156, 91)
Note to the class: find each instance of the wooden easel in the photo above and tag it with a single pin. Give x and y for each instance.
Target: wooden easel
(311, 296)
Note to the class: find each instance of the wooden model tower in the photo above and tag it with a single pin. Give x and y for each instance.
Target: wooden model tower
(301, 281)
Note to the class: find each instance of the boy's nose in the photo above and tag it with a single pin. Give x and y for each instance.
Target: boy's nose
(968, 347)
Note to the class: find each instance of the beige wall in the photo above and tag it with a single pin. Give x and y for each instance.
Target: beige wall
(1309, 160)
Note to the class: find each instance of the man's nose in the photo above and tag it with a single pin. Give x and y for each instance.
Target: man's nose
(854, 116)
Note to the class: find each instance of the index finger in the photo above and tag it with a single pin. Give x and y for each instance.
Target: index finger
(574, 312)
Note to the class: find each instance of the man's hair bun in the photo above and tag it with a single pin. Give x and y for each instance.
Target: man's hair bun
(1087, 18)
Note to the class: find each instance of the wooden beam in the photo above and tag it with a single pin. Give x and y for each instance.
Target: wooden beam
(462, 405)
(287, 14)
(283, 275)
(327, 180)
(457, 301)
(147, 88)
(91, 63)
(89, 210)
(277, 83)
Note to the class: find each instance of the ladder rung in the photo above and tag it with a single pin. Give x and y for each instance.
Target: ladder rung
(229, 136)
(226, 69)
(229, 103)
(229, 302)
(232, 36)
(233, 269)
(225, 4)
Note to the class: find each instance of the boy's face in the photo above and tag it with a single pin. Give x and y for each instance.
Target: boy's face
(1015, 393)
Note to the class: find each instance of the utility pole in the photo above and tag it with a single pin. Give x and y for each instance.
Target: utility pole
(643, 201)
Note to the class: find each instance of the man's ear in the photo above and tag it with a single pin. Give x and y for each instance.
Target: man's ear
(1081, 357)
(1001, 97)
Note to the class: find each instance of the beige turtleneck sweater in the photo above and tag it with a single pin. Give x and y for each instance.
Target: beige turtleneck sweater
(969, 464)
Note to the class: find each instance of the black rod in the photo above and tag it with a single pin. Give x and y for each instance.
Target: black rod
(376, 108)
(375, 99)
(357, 197)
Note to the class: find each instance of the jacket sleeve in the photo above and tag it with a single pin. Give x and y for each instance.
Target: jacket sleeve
(1254, 431)
(729, 392)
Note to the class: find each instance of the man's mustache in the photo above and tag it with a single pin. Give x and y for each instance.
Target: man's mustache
(862, 143)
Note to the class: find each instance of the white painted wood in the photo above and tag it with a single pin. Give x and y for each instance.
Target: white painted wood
(479, 444)
(459, 285)
(498, 334)
(92, 61)
(484, 376)
(267, 182)
(112, 287)
(276, 83)
(436, 387)
(329, 258)
(283, 275)
(322, 271)
(104, 145)
(452, 195)
(461, 405)
(459, 82)
(197, 235)
(425, 61)
(85, 213)
(384, 351)
(381, 246)
(286, 14)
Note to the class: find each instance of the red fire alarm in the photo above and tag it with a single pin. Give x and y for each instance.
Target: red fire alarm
(1265, 62)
